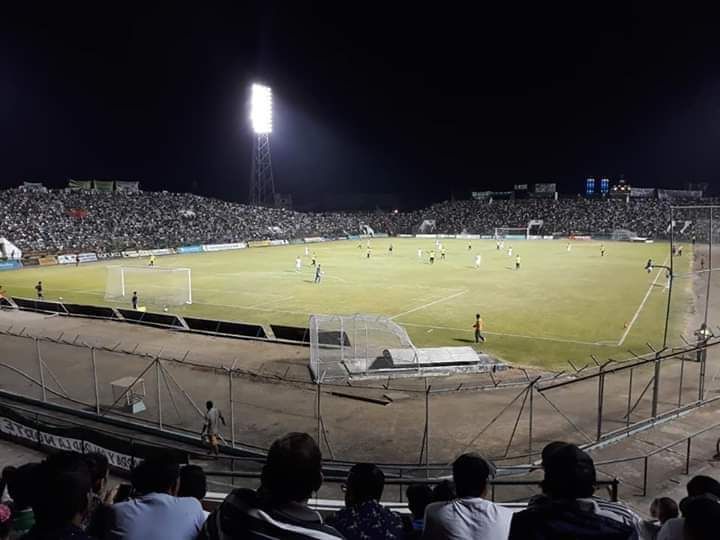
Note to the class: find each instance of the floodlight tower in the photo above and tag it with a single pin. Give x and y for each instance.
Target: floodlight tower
(262, 184)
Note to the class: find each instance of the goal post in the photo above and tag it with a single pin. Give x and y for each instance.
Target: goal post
(154, 285)
(512, 233)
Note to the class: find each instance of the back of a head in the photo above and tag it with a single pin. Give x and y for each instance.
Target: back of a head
(471, 473)
(193, 482)
(65, 481)
(418, 497)
(365, 482)
(569, 473)
(157, 474)
(21, 484)
(703, 485)
(665, 508)
(444, 491)
(702, 518)
(293, 469)
(548, 450)
(99, 467)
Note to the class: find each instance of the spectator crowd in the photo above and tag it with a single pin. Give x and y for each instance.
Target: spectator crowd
(67, 496)
(64, 221)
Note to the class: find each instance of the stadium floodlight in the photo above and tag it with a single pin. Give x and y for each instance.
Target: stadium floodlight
(261, 108)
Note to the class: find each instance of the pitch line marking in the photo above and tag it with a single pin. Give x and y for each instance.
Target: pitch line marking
(642, 304)
(445, 299)
(542, 338)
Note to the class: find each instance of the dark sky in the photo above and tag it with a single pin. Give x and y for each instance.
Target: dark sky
(369, 97)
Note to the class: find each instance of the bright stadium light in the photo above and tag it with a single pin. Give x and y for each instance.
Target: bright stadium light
(261, 109)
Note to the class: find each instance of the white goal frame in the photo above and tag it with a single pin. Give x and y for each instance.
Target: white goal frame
(142, 269)
(502, 232)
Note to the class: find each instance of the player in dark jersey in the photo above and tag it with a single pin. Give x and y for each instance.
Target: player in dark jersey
(39, 289)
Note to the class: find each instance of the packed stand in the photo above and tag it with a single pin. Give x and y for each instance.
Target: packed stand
(67, 497)
(65, 221)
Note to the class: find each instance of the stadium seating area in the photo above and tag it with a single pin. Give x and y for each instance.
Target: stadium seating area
(73, 221)
(67, 496)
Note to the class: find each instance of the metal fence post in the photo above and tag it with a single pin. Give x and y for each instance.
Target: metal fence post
(232, 409)
(656, 387)
(645, 469)
(95, 382)
(40, 367)
(629, 401)
(159, 397)
(687, 456)
(601, 396)
(682, 376)
(530, 423)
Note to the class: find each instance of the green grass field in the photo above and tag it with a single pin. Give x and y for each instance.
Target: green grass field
(559, 306)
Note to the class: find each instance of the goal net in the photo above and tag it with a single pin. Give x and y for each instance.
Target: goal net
(342, 346)
(154, 285)
(623, 235)
(511, 232)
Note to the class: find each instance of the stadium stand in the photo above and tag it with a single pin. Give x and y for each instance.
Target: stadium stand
(49, 222)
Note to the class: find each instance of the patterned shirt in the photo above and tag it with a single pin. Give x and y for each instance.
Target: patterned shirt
(368, 521)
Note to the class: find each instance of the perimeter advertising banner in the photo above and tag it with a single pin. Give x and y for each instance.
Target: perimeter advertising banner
(548, 188)
(79, 184)
(223, 247)
(104, 185)
(128, 187)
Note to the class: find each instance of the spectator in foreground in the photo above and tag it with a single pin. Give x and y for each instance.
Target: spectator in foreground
(363, 517)
(61, 498)
(568, 510)
(661, 510)
(193, 483)
(156, 512)
(5, 521)
(470, 515)
(278, 509)
(698, 486)
(419, 496)
(444, 491)
(702, 518)
(20, 483)
(99, 470)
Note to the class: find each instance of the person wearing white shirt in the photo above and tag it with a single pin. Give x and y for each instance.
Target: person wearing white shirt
(470, 515)
(156, 512)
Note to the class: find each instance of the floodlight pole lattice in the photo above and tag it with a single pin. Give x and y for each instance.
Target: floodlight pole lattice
(262, 182)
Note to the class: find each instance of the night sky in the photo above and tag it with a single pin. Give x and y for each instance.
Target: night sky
(369, 97)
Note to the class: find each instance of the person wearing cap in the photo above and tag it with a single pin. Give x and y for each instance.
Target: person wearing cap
(568, 509)
(469, 515)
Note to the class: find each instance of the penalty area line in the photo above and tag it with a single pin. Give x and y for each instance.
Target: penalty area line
(418, 308)
(642, 304)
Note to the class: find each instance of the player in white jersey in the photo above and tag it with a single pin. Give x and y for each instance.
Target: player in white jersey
(478, 260)
(307, 251)
(420, 253)
(569, 247)
(298, 263)
(510, 251)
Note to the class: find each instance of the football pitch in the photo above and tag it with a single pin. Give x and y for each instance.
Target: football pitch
(560, 305)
